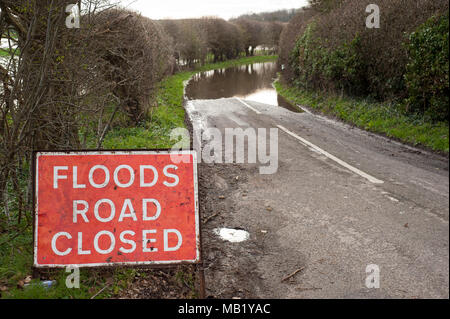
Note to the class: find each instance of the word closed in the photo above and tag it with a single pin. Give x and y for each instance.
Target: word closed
(115, 208)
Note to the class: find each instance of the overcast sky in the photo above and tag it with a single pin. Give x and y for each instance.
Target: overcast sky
(178, 9)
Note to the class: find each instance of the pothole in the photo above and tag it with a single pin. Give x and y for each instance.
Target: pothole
(232, 235)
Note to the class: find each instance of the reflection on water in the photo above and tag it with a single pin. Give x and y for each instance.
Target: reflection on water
(251, 82)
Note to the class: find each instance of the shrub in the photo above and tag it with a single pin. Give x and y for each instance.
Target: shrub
(255, 33)
(189, 39)
(427, 75)
(318, 67)
(289, 37)
(343, 54)
(307, 59)
(138, 54)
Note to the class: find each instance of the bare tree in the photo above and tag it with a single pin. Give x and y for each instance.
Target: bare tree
(225, 40)
(252, 34)
(59, 84)
(135, 54)
(190, 41)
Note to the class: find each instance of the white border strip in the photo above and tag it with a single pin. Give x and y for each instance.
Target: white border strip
(100, 153)
(250, 107)
(332, 157)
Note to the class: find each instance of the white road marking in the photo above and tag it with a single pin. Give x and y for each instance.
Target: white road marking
(250, 107)
(395, 200)
(317, 149)
(332, 157)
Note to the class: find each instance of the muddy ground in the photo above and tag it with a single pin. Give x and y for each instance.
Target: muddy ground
(221, 191)
(219, 187)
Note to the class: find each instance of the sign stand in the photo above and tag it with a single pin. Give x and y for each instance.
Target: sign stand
(122, 208)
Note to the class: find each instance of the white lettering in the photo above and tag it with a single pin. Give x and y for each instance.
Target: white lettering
(75, 179)
(80, 246)
(175, 177)
(166, 240)
(123, 214)
(112, 245)
(127, 241)
(112, 213)
(142, 175)
(57, 177)
(145, 212)
(116, 176)
(55, 238)
(91, 176)
(81, 212)
(146, 241)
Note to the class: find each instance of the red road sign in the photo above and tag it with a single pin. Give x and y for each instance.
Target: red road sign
(115, 208)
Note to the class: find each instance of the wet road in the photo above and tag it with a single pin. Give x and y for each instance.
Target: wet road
(342, 199)
(252, 82)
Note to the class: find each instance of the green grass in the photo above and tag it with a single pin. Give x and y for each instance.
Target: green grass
(16, 259)
(5, 53)
(383, 118)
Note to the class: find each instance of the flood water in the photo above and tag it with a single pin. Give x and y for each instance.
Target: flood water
(250, 82)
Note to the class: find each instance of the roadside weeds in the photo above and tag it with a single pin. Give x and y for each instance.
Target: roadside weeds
(376, 117)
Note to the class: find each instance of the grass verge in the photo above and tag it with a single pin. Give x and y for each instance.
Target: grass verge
(16, 259)
(382, 118)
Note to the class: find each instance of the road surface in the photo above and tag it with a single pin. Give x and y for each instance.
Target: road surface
(342, 199)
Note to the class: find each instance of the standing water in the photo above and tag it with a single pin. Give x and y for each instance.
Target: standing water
(251, 82)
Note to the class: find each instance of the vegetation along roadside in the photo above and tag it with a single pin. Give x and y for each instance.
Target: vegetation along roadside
(392, 80)
(384, 118)
(16, 254)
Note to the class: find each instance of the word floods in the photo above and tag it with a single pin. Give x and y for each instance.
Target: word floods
(115, 208)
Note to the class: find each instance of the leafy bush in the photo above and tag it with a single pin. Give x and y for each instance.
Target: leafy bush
(358, 60)
(347, 68)
(289, 37)
(427, 75)
(318, 67)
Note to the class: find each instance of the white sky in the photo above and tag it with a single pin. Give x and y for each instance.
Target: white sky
(178, 9)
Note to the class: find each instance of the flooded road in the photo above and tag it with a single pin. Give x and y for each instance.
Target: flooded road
(251, 82)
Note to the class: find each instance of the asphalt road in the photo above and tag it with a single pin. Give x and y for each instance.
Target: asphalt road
(342, 199)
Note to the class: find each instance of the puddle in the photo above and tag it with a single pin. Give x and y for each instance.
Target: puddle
(251, 82)
(232, 235)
